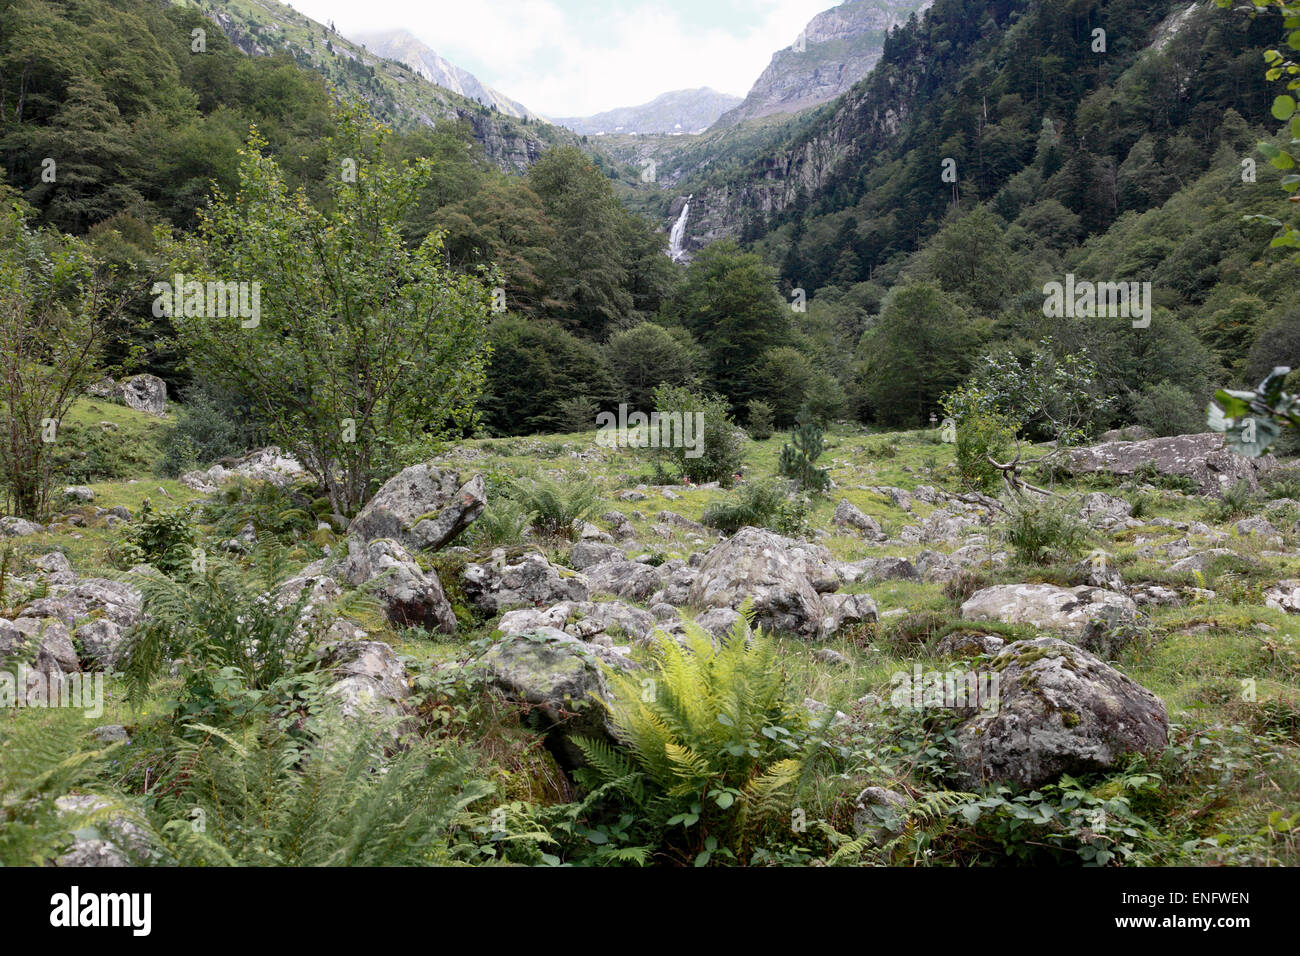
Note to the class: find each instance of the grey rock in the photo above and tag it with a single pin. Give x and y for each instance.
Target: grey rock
(625, 579)
(532, 581)
(585, 620)
(586, 554)
(1203, 458)
(422, 507)
(411, 597)
(144, 393)
(844, 610)
(847, 515)
(18, 528)
(961, 644)
(756, 564)
(1060, 710)
(1093, 618)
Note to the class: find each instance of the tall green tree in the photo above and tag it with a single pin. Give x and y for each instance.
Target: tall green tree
(363, 344)
(728, 301)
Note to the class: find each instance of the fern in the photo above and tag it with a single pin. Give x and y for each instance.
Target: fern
(39, 762)
(261, 797)
(712, 752)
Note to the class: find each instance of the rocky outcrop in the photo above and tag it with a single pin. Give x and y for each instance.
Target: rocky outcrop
(588, 621)
(265, 464)
(848, 515)
(531, 581)
(1059, 710)
(411, 597)
(1091, 617)
(756, 564)
(144, 393)
(423, 507)
(1202, 458)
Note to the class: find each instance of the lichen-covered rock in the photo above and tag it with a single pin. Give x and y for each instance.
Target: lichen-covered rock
(1202, 561)
(559, 678)
(1105, 512)
(756, 564)
(961, 644)
(1203, 458)
(626, 579)
(844, 610)
(411, 597)
(877, 569)
(98, 597)
(423, 507)
(101, 643)
(18, 528)
(532, 581)
(1094, 618)
(368, 693)
(586, 554)
(1284, 597)
(585, 620)
(114, 840)
(848, 515)
(144, 393)
(1059, 710)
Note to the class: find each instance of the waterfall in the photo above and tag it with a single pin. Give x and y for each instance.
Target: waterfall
(677, 238)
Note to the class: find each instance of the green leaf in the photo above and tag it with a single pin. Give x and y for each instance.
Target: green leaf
(1284, 107)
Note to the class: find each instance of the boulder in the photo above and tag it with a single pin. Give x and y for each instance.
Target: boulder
(1059, 710)
(756, 564)
(144, 393)
(111, 600)
(559, 678)
(101, 643)
(626, 579)
(586, 554)
(1284, 597)
(18, 528)
(1203, 458)
(1202, 561)
(1091, 617)
(1105, 512)
(877, 569)
(411, 597)
(847, 515)
(116, 840)
(372, 684)
(960, 644)
(843, 610)
(423, 507)
(532, 581)
(881, 813)
(265, 464)
(585, 620)
(79, 493)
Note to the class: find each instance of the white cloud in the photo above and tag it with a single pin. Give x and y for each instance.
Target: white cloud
(577, 57)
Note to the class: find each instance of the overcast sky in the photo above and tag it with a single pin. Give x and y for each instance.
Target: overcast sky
(578, 57)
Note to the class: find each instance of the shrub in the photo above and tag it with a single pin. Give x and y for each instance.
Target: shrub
(287, 513)
(503, 522)
(1281, 483)
(759, 504)
(578, 414)
(798, 459)
(708, 755)
(1168, 409)
(205, 431)
(721, 446)
(760, 420)
(163, 539)
(981, 432)
(1041, 530)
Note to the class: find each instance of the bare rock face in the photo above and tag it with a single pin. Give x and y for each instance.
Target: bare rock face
(422, 507)
(1203, 458)
(758, 564)
(1091, 617)
(144, 393)
(411, 597)
(1059, 710)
